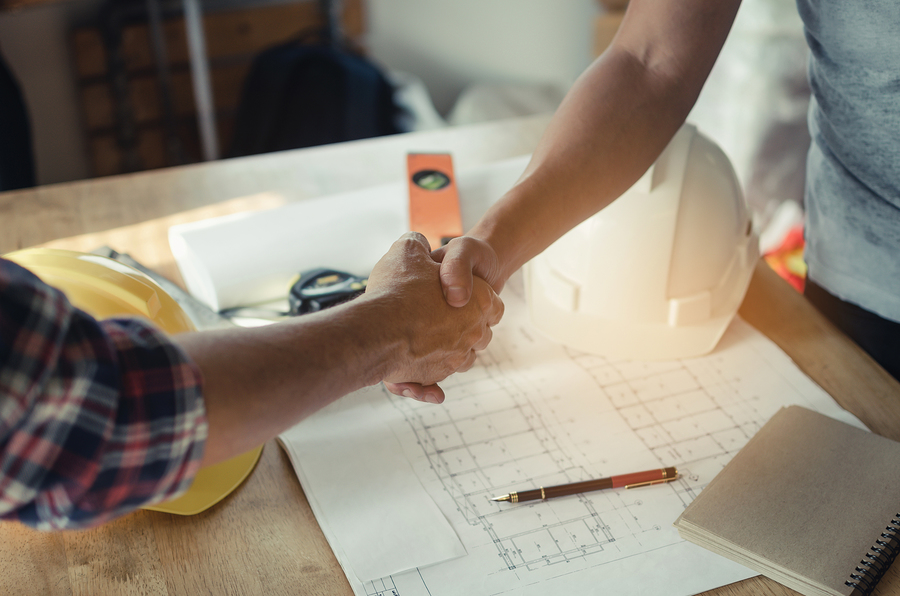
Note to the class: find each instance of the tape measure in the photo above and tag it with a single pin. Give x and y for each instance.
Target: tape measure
(319, 289)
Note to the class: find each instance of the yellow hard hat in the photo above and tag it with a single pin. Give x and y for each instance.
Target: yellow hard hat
(104, 288)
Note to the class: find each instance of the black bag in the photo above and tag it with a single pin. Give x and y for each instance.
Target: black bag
(16, 156)
(299, 95)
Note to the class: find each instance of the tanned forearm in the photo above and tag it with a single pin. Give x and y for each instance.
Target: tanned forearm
(258, 382)
(612, 125)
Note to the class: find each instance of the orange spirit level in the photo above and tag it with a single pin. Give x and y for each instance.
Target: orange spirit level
(433, 197)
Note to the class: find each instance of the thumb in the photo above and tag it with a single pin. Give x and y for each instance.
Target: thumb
(432, 394)
(456, 281)
(461, 259)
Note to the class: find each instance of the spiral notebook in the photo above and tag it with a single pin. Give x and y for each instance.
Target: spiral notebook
(810, 502)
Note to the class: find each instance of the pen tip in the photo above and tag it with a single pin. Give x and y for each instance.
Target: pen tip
(503, 498)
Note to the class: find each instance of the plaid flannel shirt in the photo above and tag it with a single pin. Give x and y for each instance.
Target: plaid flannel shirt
(97, 418)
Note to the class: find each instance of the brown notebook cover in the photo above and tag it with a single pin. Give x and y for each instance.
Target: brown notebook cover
(810, 502)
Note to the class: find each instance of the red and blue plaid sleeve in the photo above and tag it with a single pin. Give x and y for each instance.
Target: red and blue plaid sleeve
(97, 418)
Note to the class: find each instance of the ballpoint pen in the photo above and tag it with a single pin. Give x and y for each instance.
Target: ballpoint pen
(623, 480)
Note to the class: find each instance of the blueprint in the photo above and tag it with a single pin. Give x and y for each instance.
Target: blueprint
(534, 413)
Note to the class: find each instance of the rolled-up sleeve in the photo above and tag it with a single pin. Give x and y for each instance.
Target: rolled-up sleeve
(97, 418)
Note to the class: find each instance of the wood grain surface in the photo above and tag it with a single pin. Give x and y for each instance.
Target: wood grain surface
(263, 538)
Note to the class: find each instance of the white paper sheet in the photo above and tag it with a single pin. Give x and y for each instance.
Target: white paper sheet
(533, 413)
(402, 489)
(251, 258)
(387, 526)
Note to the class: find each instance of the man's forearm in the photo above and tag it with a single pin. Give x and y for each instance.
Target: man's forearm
(259, 382)
(598, 144)
(612, 125)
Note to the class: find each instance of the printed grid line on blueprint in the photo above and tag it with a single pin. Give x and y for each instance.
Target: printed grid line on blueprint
(533, 413)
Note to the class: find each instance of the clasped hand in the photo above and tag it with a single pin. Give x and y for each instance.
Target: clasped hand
(437, 339)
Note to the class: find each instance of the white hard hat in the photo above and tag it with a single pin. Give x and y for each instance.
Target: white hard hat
(659, 273)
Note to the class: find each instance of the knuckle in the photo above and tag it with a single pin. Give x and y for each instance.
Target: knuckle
(460, 359)
(418, 238)
(469, 362)
(411, 241)
(485, 339)
(498, 308)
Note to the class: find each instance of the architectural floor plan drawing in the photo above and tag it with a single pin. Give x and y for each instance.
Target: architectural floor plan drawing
(533, 413)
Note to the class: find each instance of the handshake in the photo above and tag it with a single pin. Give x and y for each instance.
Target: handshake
(432, 311)
(423, 317)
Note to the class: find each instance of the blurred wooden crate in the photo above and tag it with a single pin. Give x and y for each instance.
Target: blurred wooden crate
(233, 39)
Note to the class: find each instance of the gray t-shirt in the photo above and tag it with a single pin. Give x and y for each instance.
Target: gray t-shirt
(853, 166)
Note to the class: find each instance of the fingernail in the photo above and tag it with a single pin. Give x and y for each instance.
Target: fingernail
(431, 398)
(456, 294)
(408, 393)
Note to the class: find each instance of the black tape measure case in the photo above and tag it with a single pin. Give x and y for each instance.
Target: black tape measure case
(319, 289)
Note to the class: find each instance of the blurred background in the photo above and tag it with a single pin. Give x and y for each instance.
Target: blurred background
(60, 55)
(109, 86)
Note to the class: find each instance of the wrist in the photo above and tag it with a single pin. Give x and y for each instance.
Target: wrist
(521, 224)
(508, 251)
(382, 337)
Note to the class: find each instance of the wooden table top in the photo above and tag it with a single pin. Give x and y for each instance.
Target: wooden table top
(263, 538)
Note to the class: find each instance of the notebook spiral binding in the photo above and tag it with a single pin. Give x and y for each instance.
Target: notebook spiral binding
(876, 562)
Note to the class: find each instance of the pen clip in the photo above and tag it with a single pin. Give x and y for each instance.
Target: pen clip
(652, 482)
